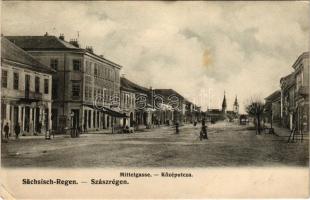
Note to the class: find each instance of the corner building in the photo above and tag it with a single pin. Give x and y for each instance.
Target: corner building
(86, 86)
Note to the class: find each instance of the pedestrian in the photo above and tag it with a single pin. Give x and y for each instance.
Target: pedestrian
(177, 128)
(6, 131)
(17, 130)
(204, 131)
(85, 128)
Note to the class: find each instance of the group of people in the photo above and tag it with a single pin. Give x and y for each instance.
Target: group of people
(203, 131)
(6, 130)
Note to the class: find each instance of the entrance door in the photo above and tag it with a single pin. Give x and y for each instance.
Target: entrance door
(37, 120)
(131, 120)
(103, 121)
(75, 118)
(46, 119)
(15, 115)
(108, 121)
(145, 119)
(27, 118)
(85, 120)
(27, 85)
(54, 119)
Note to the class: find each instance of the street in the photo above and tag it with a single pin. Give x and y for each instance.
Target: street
(229, 144)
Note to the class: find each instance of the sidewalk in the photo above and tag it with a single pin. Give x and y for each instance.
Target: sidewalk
(280, 131)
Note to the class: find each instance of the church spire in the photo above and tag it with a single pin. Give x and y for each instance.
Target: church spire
(236, 102)
(236, 106)
(224, 104)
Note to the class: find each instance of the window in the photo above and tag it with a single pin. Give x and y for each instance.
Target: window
(96, 70)
(54, 63)
(54, 89)
(76, 65)
(4, 78)
(88, 67)
(15, 80)
(46, 88)
(299, 80)
(37, 84)
(75, 89)
(3, 111)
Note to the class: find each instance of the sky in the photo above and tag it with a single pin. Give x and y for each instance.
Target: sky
(200, 49)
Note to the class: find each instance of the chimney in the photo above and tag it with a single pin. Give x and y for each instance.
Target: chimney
(46, 34)
(61, 36)
(75, 43)
(89, 49)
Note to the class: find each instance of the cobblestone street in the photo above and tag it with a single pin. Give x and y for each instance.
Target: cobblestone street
(229, 144)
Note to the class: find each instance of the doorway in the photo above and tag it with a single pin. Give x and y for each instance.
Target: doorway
(75, 118)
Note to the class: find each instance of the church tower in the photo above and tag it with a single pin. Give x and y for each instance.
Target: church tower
(236, 106)
(224, 105)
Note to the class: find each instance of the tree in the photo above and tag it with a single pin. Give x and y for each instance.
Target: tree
(255, 108)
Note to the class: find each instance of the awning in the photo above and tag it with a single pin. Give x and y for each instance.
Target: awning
(108, 111)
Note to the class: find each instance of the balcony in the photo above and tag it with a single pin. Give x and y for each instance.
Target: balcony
(303, 91)
(31, 96)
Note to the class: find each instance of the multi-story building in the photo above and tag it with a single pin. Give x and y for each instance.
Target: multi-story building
(86, 87)
(192, 112)
(127, 103)
(301, 71)
(287, 100)
(25, 90)
(295, 95)
(177, 103)
(143, 106)
(273, 107)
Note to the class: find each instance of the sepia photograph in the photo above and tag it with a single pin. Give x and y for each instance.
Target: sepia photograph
(154, 84)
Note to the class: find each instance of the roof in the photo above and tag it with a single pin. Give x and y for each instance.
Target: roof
(167, 92)
(224, 104)
(131, 86)
(41, 43)
(50, 42)
(214, 111)
(12, 53)
(300, 58)
(274, 96)
(287, 81)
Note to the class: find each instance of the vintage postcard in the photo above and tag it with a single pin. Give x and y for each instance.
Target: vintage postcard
(154, 99)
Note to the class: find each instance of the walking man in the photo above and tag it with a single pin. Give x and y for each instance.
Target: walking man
(17, 130)
(6, 131)
(177, 128)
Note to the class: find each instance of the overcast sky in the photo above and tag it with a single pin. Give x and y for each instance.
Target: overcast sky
(199, 49)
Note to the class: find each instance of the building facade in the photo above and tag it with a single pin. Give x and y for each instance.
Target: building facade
(273, 107)
(287, 100)
(86, 86)
(295, 95)
(128, 104)
(143, 104)
(301, 71)
(25, 90)
(177, 104)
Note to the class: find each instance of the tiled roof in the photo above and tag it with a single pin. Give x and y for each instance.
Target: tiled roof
(45, 43)
(12, 53)
(287, 81)
(167, 92)
(41, 42)
(127, 84)
(274, 96)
